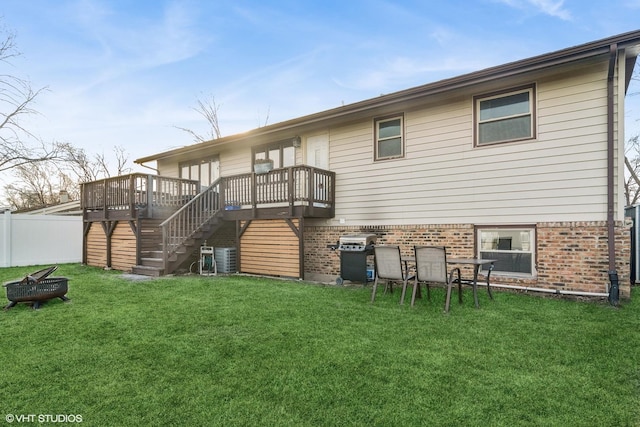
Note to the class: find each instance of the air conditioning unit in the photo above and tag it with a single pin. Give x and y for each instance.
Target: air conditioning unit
(226, 260)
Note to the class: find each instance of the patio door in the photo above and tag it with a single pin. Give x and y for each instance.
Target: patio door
(318, 151)
(318, 156)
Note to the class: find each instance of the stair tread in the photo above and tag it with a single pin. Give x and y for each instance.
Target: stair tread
(147, 271)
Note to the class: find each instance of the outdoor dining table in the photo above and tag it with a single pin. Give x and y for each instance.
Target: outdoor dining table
(477, 263)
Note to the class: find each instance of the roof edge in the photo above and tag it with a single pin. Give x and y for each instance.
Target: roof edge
(562, 56)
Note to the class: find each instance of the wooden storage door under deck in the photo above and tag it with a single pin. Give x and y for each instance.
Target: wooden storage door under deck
(96, 242)
(123, 247)
(270, 247)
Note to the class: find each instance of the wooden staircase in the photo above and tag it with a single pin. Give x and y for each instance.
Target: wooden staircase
(169, 244)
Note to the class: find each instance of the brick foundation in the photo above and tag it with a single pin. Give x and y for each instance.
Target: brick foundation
(571, 256)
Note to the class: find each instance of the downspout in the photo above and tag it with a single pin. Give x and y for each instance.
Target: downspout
(149, 167)
(614, 290)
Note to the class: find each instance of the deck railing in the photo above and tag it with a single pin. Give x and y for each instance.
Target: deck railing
(296, 185)
(137, 191)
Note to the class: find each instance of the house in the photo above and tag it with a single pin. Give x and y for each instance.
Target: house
(64, 208)
(522, 162)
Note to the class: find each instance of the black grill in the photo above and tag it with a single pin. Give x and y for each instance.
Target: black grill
(354, 250)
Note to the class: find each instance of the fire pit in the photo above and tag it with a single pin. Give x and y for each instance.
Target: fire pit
(37, 288)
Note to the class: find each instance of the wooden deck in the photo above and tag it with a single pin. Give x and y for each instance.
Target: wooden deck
(135, 196)
(293, 192)
(155, 223)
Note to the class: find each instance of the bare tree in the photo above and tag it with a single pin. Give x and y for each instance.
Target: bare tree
(122, 160)
(266, 119)
(207, 108)
(632, 158)
(34, 187)
(40, 184)
(18, 145)
(632, 182)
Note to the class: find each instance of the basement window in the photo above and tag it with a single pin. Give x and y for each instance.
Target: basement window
(512, 247)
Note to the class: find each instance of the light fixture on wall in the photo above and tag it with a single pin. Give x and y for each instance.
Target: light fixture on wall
(297, 142)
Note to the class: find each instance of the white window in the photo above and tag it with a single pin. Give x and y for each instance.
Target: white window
(513, 248)
(283, 154)
(389, 138)
(508, 116)
(204, 170)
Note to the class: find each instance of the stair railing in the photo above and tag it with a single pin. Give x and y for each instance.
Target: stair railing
(189, 219)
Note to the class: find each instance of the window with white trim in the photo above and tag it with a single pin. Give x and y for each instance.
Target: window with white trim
(283, 154)
(504, 117)
(204, 170)
(389, 138)
(512, 247)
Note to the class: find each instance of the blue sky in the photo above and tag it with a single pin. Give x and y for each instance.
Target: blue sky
(130, 72)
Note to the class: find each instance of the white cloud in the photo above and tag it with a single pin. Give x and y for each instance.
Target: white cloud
(553, 8)
(403, 72)
(116, 45)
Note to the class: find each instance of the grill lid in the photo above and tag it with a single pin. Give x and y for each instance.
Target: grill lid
(356, 241)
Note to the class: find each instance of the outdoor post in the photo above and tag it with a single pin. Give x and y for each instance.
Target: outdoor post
(291, 175)
(254, 193)
(149, 196)
(221, 194)
(132, 195)
(6, 237)
(311, 190)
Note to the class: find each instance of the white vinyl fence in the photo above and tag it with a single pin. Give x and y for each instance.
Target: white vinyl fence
(39, 239)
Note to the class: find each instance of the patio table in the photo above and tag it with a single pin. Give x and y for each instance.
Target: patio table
(476, 263)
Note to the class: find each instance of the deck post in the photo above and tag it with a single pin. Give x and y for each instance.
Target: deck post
(291, 188)
(105, 204)
(150, 196)
(254, 193)
(222, 189)
(311, 190)
(132, 195)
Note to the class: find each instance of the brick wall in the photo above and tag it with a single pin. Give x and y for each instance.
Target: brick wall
(570, 256)
(575, 256)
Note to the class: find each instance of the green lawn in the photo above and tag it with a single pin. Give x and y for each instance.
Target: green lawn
(245, 351)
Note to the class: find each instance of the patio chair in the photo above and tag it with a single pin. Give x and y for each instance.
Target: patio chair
(389, 267)
(431, 267)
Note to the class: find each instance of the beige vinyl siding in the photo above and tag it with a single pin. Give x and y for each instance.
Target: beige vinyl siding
(560, 176)
(169, 168)
(235, 162)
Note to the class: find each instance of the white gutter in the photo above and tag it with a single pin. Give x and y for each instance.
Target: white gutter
(149, 167)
